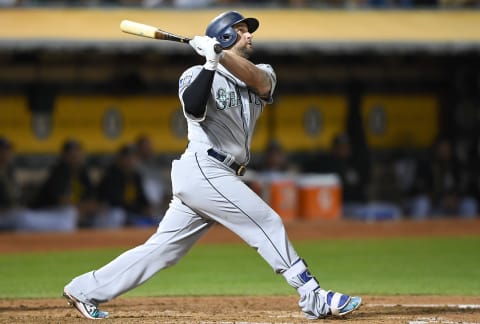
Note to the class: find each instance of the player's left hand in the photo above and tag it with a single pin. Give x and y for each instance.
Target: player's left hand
(204, 46)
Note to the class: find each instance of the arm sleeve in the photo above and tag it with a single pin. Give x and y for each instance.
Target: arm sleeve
(194, 92)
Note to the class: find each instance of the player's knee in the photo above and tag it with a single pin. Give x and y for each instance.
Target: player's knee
(276, 222)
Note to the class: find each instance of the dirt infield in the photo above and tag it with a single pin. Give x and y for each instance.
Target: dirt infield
(269, 309)
(244, 309)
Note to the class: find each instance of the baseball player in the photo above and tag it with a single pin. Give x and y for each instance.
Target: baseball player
(221, 101)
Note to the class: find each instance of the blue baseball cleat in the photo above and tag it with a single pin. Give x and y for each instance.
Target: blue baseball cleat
(341, 304)
(87, 310)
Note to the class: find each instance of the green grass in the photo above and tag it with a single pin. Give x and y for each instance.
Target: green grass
(445, 266)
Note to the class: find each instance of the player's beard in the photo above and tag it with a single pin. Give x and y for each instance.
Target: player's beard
(244, 52)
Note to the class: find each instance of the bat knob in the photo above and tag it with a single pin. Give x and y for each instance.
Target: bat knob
(217, 48)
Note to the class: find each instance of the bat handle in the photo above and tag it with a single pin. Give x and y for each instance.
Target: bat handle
(218, 48)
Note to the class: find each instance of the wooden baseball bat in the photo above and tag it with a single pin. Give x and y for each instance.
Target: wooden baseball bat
(139, 29)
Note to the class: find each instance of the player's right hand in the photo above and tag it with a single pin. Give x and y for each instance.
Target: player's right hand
(204, 46)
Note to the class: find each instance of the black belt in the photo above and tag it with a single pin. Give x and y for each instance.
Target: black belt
(238, 168)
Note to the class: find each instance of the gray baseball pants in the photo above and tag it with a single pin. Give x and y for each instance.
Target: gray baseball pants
(204, 192)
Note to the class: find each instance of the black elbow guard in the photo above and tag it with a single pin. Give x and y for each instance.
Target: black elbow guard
(195, 97)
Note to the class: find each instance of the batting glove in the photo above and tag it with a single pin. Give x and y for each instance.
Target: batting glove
(204, 46)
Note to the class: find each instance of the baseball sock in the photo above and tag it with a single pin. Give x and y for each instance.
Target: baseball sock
(300, 278)
(312, 297)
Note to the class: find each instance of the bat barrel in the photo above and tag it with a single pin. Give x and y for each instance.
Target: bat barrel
(138, 29)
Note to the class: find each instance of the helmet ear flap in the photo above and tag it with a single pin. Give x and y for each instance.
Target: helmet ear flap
(228, 37)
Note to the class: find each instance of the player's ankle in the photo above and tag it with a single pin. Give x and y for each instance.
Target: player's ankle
(298, 276)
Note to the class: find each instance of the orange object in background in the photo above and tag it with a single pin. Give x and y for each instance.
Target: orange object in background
(283, 198)
(320, 196)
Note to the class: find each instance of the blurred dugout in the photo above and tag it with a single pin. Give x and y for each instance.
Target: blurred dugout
(408, 77)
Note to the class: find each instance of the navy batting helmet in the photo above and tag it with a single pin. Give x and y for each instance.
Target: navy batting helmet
(221, 27)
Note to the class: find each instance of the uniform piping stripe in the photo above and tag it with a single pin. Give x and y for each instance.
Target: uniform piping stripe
(241, 210)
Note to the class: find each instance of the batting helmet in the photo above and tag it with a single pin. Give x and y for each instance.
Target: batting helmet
(221, 27)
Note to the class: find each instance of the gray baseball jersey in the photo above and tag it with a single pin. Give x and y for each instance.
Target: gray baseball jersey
(232, 111)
